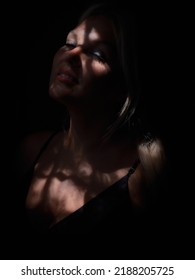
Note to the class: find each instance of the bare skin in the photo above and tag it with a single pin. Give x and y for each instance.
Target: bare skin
(64, 181)
(77, 166)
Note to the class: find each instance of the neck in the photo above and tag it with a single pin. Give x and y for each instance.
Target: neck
(87, 131)
(88, 128)
(84, 142)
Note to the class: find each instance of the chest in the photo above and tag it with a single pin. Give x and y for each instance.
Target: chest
(55, 194)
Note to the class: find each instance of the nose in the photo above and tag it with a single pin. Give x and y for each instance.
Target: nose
(73, 56)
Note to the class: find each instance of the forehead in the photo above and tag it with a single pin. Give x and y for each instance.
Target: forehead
(94, 28)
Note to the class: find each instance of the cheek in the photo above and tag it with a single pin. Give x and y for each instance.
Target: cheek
(100, 81)
(96, 69)
(100, 69)
(104, 81)
(96, 76)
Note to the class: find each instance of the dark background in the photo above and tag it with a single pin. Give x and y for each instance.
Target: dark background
(33, 33)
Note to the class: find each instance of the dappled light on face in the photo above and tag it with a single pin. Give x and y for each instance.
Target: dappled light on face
(78, 177)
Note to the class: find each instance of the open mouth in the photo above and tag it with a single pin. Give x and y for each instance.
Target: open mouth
(66, 76)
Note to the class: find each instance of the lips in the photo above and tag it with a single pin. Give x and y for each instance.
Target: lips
(67, 76)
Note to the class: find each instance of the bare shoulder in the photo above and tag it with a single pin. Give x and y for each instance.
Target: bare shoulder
(152, 158)
(32, 144)
(28, 150)
(149, 171)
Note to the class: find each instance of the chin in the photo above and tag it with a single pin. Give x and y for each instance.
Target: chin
(56, 91)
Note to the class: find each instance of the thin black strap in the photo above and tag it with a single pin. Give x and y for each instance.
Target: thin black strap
(46, 143)
(133, 168)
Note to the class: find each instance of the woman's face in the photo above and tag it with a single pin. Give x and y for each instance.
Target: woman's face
(85, 68)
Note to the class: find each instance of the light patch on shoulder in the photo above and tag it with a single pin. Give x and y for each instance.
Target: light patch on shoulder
(34, 194)
(85, 169)
(152, 158)
(42, 171)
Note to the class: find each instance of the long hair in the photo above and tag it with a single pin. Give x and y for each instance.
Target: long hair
(150, 148)
(124, 23)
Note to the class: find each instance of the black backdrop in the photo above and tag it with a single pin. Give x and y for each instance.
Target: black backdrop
(32, 35)
(40, 31)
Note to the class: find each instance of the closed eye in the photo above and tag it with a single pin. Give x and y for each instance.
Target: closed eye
(69, 46)
(98, 55)
(95, 53)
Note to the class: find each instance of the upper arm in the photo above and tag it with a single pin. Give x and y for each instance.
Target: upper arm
(143, 183)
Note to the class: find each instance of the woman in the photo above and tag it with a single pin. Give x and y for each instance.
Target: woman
(101, 170)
